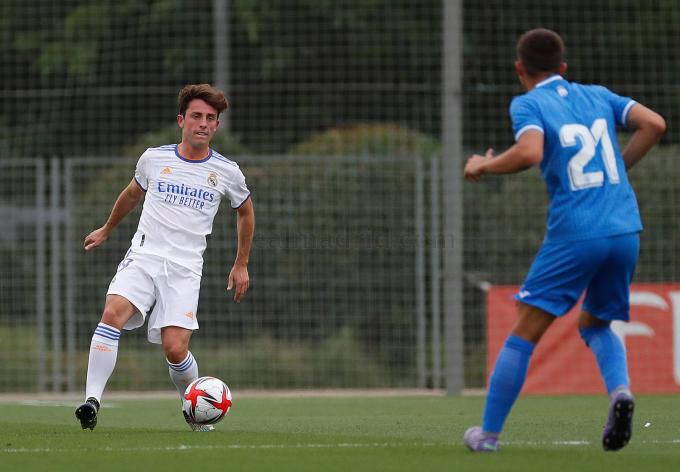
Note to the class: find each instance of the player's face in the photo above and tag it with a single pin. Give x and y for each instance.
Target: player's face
(198, 124)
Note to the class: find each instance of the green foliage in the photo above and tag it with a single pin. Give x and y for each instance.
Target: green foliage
(90, 49)
(325, 271)
(655, 182)
(223, 142)
(266, 362)
(623, 48)
(347, 62)
(75, 41)
(334, 77)
(261, 362)
(18, 351)
(369, 139)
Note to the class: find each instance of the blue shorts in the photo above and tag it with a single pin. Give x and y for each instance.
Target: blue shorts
(602, 267)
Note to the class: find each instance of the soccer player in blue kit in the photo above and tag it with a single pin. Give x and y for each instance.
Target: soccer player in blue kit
(592, 238)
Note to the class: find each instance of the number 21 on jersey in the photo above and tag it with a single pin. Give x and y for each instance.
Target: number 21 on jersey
(573, 133)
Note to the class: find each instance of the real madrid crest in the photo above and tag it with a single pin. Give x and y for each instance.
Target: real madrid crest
(212, 179)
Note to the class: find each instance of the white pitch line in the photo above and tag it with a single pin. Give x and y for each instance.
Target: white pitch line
(58, 403)
(668, 441)
(188, 447)
(546, 443)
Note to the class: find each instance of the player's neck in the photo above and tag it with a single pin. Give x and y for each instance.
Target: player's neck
(192, 153)
(530, 83)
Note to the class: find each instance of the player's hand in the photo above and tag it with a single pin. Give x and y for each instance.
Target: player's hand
(474, 167)
(96, 238)
(238, 277)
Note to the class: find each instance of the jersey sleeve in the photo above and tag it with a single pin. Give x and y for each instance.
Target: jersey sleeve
(525, 116)
(237, 190)
(620, 105)
(141, 171)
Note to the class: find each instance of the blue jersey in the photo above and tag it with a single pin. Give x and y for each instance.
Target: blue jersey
(590, 196)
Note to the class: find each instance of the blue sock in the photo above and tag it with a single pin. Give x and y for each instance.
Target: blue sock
(610, 355)
(506, 382)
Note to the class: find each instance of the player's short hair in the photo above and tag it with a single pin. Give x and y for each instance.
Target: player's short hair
(540, 50)
(206, 92)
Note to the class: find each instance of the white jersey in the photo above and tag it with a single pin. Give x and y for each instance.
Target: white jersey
(182, 198)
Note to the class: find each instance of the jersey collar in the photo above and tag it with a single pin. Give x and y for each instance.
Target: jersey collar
(192, 160)
(552, 78)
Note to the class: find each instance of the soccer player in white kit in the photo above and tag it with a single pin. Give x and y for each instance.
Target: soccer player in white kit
(160, 276)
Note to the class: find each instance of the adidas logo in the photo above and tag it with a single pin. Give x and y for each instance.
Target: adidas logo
(167, 170)
(189, 314)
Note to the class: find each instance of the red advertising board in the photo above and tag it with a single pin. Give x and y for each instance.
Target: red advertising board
(562, 364)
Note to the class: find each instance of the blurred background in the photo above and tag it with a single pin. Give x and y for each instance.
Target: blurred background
(351, 120)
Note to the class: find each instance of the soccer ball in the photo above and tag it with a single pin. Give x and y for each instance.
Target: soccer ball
(206, 400)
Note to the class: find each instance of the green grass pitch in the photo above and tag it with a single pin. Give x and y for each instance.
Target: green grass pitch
(412, 433)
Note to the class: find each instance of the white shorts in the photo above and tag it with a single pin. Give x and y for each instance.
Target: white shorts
(153, 284)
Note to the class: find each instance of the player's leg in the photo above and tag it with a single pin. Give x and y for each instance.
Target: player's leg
(611, 359)
(508, 376)
(556, 279)
(607, 299)
(129, 297)
(182, 366)
(172, 322)
(103, 353)
(511, 365)
(608, 349)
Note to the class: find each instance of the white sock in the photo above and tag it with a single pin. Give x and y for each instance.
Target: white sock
(103, 354)
(183, 374)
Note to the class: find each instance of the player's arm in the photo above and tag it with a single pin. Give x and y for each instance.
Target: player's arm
(128, 199)
(245, 227)
(649, 126)
(525, 153)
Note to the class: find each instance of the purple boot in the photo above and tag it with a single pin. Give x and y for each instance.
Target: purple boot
(477, 441)
(618, 430)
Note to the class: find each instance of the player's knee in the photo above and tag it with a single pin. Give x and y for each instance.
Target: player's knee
(175, 352)
(586, 320)
(589, 332)
(113, 317)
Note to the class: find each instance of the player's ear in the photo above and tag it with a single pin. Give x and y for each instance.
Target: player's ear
(563, 68)
(180, 121)
(521, 73)
(519, 68)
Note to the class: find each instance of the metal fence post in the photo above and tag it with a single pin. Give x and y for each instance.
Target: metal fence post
(221, 28)
(40, 275)
(453, 194)
(435, 267)
(421, 366)
(55, 271)
(69, 300)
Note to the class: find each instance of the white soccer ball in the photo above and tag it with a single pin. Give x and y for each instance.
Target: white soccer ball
(206, 400)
